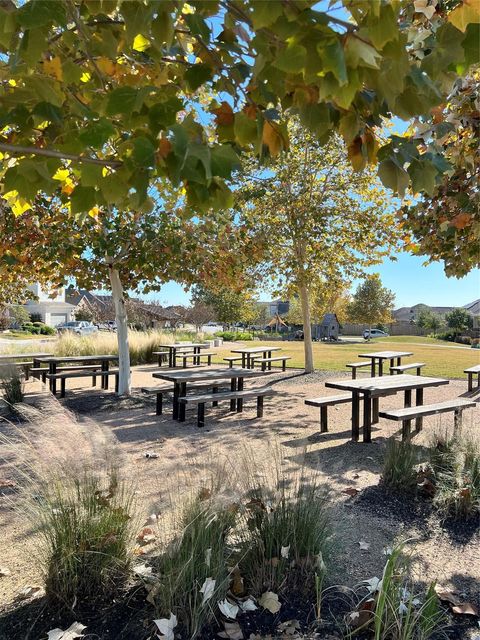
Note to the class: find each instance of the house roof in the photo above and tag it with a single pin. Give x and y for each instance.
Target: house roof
(328, 318)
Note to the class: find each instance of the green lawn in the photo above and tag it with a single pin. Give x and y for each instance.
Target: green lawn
(442, 359)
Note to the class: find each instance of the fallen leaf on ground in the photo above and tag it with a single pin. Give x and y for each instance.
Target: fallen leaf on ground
(7, 483)
(207, 589)
(208, 557)
(166, 626)
(232, 631)
(289, 627)
(204, 494)
(143, 571)
(465, 609)
(248, 605)
(447, 596)
(237, 582)
(28, 592)
(4, 571)
(75, 630)
(228, 609)
(350, 491)
(364, 546)
(146, 536)
(269, 601)
(150, 455)
(284, 551)
(374, 584)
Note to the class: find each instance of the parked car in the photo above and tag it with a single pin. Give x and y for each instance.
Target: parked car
(79, 327)
(375, 333)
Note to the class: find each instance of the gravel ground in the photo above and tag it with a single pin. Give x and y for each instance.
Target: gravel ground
(290, 428)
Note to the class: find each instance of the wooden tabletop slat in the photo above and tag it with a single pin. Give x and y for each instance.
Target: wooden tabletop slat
(185, 345)
(77, 358)
(386, 355)
(15, 356)
(187, 375)
(249, 350)
(386, 383)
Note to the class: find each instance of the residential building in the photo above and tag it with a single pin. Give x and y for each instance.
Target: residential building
(49, 307)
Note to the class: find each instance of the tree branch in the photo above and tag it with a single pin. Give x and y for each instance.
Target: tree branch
(51, 153)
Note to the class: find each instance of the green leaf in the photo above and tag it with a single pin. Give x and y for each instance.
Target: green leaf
(197, 75)
(71, 72)
(471, 44)
(265, 12)
(48, 111)
(163, 29)
(143, 152)
(7, 27)
(202, 152)
(224, 161)
(291, 59)
(333, 59)
(360, 54)
(45, 90)
(37, 13)
(82, 199)
(349, 127)
(382, 28)
(97, 133)
(137, 16)
(91, 175)
(393, 176)
(423, 174)
(197, 25)
(114, 187)
(122, 101)
(245, 129)
(163, 114)
(33, 45)
(316, 117)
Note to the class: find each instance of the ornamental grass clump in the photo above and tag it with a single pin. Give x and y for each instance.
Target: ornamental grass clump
(399, 472)
(71, 492)
(11, 384)
(393, 608)
(287, 532)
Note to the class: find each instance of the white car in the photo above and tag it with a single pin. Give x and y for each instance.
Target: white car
(375, 333)
(79, 327)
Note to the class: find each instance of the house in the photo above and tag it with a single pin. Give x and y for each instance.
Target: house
(49, 307)
(328, 329)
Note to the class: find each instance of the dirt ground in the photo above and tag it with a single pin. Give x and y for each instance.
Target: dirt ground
(292, 428)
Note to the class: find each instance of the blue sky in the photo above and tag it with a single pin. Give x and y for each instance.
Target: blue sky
(407, 278)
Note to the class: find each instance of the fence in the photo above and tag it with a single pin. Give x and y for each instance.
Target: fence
(393, 328)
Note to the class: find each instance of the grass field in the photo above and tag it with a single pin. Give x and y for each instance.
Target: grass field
(442, 359)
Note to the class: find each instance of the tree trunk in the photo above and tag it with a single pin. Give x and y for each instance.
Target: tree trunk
(122, 333)
(307, 328)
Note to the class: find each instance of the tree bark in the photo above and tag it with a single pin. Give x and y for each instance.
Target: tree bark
(122, 332)
(307, 328)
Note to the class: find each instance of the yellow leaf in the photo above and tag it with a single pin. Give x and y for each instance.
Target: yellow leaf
(20, 206)
(187, 8)
(85, 77)
(464, 14)
(12, 83)
(61, 174)
(106, 66)
(140, 43)
(94, 211)
(53, 67)
(273, 138)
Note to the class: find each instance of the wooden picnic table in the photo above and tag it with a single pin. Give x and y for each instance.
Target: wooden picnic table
(385, 355)
(181, 378)
(53, 361)
(373, 388)
(180, 346)
(12, 357)
(248, 354)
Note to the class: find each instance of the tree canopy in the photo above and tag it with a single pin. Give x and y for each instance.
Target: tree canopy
(102, 97)
(372, 303)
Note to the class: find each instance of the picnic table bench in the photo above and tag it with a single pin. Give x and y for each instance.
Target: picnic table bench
(268, 361)
(175, 349)
(160, 392)
(471, 371)
(55, 361)
(66, 375)
(232, 359)
(196, 357)
(407, 414)
(381, 356)
(41, 372)
(372, 389)
(325, 402)
(356, 365)
(23, 361)
(239, 396)
(248, 354)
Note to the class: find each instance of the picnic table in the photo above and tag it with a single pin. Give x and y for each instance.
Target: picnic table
(180, 346)
(20, 359)
(13, 357)
(181, 379)
(248, 354)
(373, 388)
(385, 355)
(53, 361)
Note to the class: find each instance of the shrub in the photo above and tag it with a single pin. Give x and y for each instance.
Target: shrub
(12, 385)
(231, 336)
(45, 330)
(393, 610)
(287, 536)
(456, 474)
(399, 465)
(198, 552)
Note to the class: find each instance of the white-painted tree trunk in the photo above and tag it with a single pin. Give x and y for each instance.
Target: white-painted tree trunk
(307, 328)
(122, 333)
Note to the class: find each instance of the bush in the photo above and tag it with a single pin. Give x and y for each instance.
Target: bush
(12, 385)
(399, 465)
(198, 552)
(287, 540)
(231, 336)
(45, 330)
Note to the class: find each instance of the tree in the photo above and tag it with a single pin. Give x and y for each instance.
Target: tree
(18, 315)
(115, 90)
(459, 320)
(297, 213)
(230, 306)
(199, 314)
(372, 303)
(84, 314)
(445, 221)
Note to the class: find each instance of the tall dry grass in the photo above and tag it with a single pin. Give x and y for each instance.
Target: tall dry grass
(72, 493)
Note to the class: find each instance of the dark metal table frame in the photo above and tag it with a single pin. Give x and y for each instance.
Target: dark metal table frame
(370, 391)
(53, 361)
(180, 381)
(173, 349)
